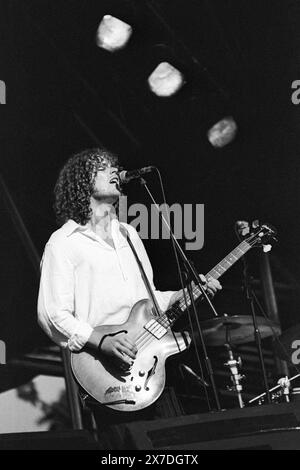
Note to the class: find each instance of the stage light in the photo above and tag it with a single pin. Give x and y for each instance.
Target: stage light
(112, 33)
(165, 80)
(223, 132)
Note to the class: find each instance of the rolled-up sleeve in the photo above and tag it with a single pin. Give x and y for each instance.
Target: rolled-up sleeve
(56, 309)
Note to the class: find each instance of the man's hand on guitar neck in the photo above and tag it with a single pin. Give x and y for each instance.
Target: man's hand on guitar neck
(119, 347)
(211, 286)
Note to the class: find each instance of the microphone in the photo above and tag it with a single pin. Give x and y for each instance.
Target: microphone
(127, 176)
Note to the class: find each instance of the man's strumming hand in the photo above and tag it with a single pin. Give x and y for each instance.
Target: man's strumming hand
(119, 347)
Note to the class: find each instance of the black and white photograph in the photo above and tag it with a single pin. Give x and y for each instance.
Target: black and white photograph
(150, 232)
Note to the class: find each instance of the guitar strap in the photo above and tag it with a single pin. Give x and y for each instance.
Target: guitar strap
(156, 309)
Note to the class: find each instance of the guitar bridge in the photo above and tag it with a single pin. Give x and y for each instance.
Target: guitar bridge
(156, 329)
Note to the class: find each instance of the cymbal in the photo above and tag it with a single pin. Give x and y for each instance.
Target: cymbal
(236, 329)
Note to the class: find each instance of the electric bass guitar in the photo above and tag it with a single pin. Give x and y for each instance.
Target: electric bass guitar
(142, 385)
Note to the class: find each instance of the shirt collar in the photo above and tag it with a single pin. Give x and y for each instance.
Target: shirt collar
(71, 226)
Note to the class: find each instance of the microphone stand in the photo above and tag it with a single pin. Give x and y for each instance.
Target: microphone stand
(250, 299)
(193, 274)
(206, 357)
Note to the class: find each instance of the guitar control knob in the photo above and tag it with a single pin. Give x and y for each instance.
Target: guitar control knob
(138, 388)
(142, 373)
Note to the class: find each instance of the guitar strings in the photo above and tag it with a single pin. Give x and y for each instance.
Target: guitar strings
(181, 305)
(149, 335)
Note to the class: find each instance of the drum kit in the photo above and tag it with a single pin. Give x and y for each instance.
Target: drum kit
(235, 330)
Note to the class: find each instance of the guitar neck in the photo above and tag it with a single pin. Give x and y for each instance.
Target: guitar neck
(229, 260)
(173, 313)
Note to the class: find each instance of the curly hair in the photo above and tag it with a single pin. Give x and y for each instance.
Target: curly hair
(75, 184)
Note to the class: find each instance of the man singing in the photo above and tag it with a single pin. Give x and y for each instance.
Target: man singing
(89, 275)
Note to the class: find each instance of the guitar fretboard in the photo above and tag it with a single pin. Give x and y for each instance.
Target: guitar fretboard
(171, 315)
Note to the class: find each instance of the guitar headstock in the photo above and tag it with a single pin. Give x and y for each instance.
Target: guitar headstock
(262, 235)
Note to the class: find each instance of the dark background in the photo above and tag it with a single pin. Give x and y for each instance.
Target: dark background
(64, 94)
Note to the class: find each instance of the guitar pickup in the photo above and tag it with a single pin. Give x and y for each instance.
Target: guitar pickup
(156, 329)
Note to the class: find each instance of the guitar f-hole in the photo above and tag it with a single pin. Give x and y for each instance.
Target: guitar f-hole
(151, 372)
(117, 333)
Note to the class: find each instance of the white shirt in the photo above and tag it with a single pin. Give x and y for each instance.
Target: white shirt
(85, 282)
